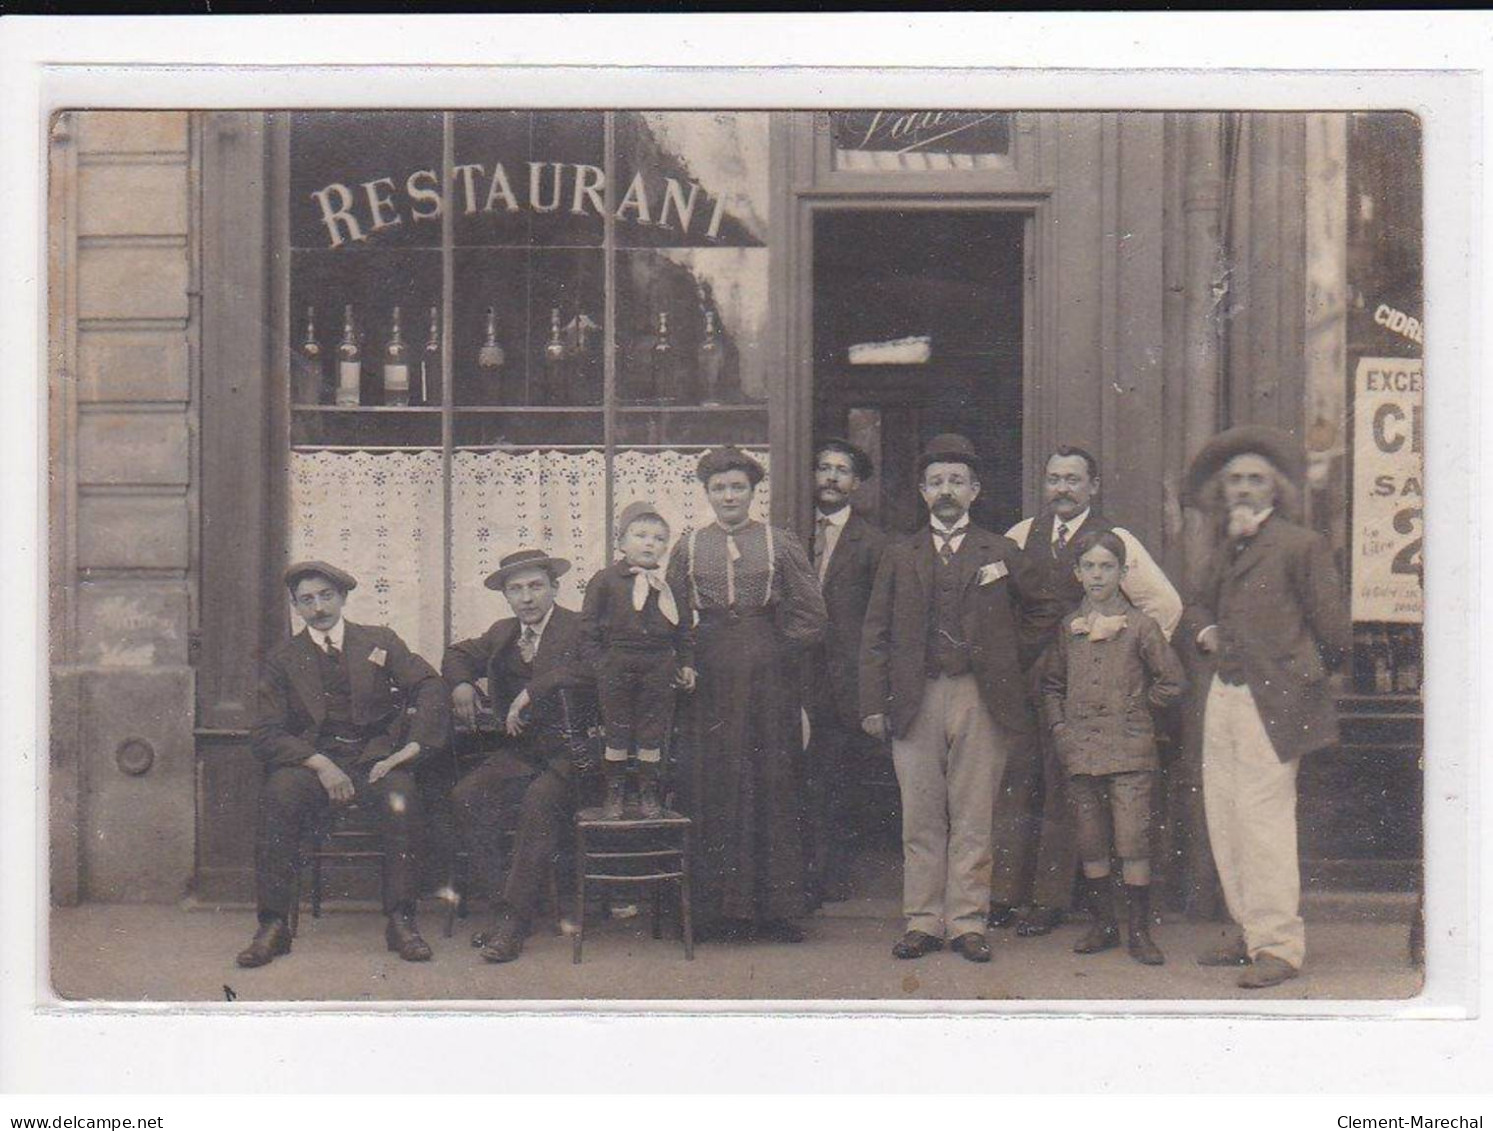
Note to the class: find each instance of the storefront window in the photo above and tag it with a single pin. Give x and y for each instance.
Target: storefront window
(543, 222)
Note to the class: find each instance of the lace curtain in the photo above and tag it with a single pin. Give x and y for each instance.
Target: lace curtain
(380, 516)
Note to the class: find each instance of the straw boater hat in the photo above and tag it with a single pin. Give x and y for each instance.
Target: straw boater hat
(728, 458)
(949, 447)
(860, 462)
(521, 560)
(340, 578)
(1258, 439)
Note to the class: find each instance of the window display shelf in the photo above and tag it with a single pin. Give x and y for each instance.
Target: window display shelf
(362, 408)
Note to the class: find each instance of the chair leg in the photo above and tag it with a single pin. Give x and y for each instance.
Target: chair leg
(658, 910)
(684, 906)
(455, 901)
(294, 919)
(580, 897)
(316, 885)
(554, 896)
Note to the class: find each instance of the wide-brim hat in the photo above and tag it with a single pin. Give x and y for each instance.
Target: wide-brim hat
(343, 580)
(520, 560)
(860, 462)
(1279, 447)
(639, 508)
(728, 458)
(949, 447)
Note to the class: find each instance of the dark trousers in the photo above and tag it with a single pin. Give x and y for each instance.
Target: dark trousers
(494, 800)
(832, 767)
(636, 688)
(1035, 845)
(292, 796)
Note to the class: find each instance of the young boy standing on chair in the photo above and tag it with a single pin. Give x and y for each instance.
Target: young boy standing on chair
(1107, 667)
(640, 639)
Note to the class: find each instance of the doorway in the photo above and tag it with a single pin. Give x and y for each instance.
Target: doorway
(917, 329)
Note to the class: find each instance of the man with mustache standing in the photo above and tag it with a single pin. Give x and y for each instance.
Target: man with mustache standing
(1036, 847)
(942, 672)
(1270, 620)
(846, 551)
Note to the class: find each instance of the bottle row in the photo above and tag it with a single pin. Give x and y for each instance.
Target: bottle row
(1387, 659)
(652, 370)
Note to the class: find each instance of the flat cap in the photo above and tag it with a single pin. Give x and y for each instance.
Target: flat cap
(639, 508)
(338, 577)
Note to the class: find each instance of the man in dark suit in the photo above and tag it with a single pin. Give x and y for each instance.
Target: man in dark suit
(942, 671)
(525, 783)
(1269, 621)
(333, 726)
(846, 551)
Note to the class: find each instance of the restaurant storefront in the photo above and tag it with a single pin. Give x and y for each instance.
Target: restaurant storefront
(409, 342)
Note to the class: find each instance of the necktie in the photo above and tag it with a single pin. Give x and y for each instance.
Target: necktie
(821, 544)
(333, 652)
(946, 543)
(528, 643)
(646, 579)
(1062, 538)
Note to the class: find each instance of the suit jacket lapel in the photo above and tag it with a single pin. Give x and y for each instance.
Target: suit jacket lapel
(1253, 554)
(355, 648)
(922, 557)
(553, 642)
(974, 552)
(840, 556)
(305, 677)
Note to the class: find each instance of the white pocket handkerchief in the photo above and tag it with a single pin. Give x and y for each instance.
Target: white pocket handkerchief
(991, 573)
(378, 657)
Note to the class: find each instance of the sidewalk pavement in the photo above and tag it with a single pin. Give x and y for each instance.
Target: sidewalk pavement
(1357, 949)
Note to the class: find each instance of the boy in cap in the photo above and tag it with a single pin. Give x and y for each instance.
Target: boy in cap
(331, 727)
(639, 637)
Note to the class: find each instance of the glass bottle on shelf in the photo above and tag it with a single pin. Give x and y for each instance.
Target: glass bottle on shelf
(490, 360)
(556, 389)
(1384, 680)
(661, 384)
(1407, 659)
(396, 365)
(711, 362)
(585, 361)
(308, 365)
(349, 364)
(429, 391)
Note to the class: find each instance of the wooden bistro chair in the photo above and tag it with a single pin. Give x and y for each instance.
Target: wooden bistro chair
(638, 852)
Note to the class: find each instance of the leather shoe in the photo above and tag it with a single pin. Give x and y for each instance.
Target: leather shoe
(403, 937)
(270, 941)
(915, 944)
(506, 943)
(1231, 953)
(1001, 916)
(973, 946)
(1267, 970)
(1038, 920)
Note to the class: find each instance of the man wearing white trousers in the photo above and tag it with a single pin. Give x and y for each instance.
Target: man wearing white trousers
(1271, 617)
(942, 673)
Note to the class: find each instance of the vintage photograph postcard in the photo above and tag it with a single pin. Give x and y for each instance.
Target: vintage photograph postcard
(854, 553)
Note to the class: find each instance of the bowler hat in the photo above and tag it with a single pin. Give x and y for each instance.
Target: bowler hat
(949, 447)
(520, 560)
(638, 508)
(728, 458)
(860, 462)
(1258, 439)
(343, 580)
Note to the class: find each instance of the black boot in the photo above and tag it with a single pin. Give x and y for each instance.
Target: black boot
(648, 802)
(1103, 932)
(616, 778)
(1142, 949)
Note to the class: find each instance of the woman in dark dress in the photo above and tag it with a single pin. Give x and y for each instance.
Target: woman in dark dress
(759, 606)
